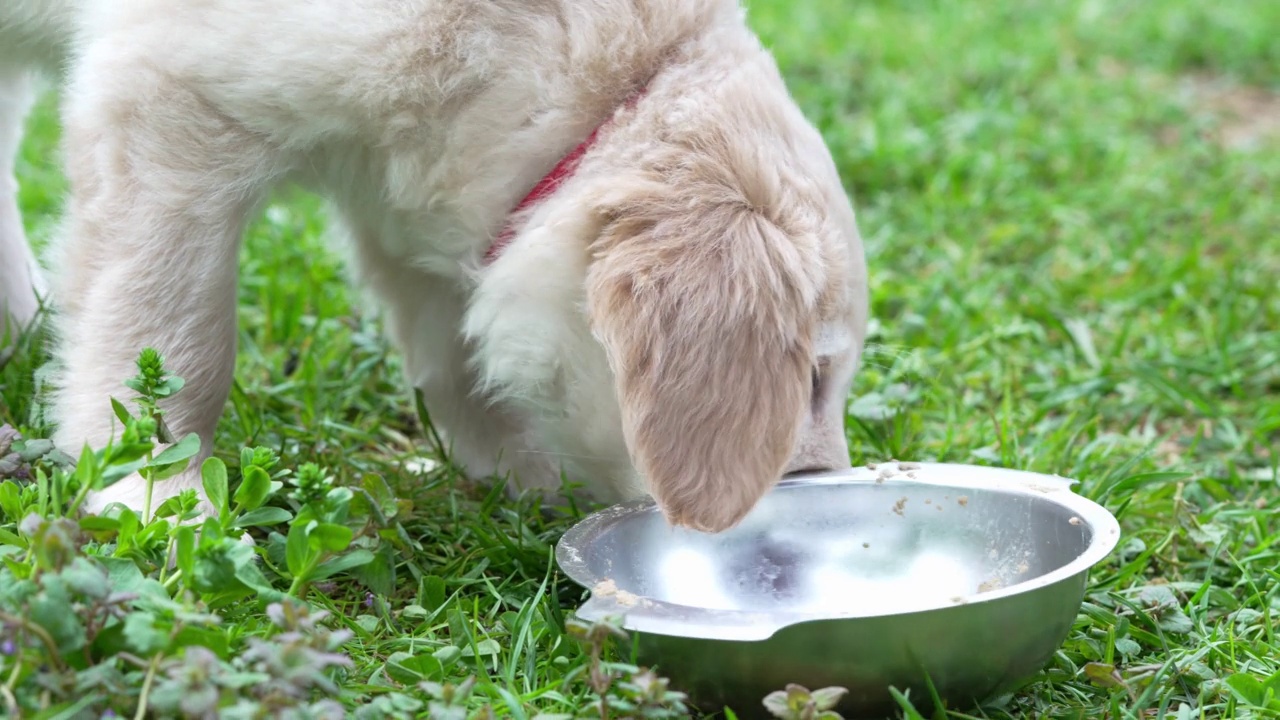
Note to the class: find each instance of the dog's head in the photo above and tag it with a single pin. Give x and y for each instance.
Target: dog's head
(725, 281)
(733, 316)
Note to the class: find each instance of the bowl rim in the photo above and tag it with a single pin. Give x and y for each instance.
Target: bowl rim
(650, 615)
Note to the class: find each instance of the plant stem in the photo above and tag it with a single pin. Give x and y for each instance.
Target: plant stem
(172, 579)
(10, 701)
(39, 632)
(146, 507)
(12, 682)
(146, 688)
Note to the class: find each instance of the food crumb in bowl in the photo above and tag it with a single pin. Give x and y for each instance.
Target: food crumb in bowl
(908, 466)
(928, 501)
(899, 506)
(609, 588)
(963, 500)
(989, 585)
(1075, 520)
(866, 545)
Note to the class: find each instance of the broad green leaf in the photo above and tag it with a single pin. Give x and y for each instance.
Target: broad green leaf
(185, 549)
(211, 639)
(11, 501)
(263, 517)
(433, 592)
(353, 559)
(96, 523)
(483, 648)
(213, 476)
(129, 526)
(1249, 689)
(1103, 675)
(184, 449)
(84, 577)
(121, 411)
(298, 553)
(330, 537)
(214, 570)
(380, 575)
(142, 635)
(211, 534)
(118, 471)
(251, 575)
(53, 610)
(381, 493)
(410, 669)
(254, 488)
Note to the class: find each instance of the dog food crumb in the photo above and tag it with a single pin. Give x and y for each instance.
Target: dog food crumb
(958, 600)
(871, 466)
(1023, 567)
(866, 545)
(899, 506)
(908, 466)
(609, 588)
(963, 500)
(928, 501)
(989, 585)
(939, 508)
(879, 479)
(1075, 520)
(911, 475)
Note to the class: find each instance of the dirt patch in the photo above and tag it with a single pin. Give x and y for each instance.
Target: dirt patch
(1242, 117)
(1246, 116)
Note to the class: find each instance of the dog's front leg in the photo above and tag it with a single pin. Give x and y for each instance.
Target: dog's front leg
(20, 281)
(161, 187)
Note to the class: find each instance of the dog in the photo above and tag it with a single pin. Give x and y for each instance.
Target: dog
(606, 240)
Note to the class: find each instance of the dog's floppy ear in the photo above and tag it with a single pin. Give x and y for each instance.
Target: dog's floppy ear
(705, 314)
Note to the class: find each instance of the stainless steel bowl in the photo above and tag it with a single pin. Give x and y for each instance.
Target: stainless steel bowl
(865, 579)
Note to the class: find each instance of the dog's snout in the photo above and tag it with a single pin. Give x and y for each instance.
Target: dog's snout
(806, 470)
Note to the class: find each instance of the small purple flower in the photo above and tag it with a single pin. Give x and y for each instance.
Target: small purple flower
(7, 647)
(109, 714)
(368, 599)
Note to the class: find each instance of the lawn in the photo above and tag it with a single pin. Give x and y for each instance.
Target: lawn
(1071, 216)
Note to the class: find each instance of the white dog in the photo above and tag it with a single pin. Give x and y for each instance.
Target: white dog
(677, 307)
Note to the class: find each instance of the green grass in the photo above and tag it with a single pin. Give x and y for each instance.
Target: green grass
(1068, 275)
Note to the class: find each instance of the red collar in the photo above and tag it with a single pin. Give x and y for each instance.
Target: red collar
(550, 183)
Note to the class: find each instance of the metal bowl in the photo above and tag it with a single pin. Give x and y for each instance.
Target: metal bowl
(865, 579)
